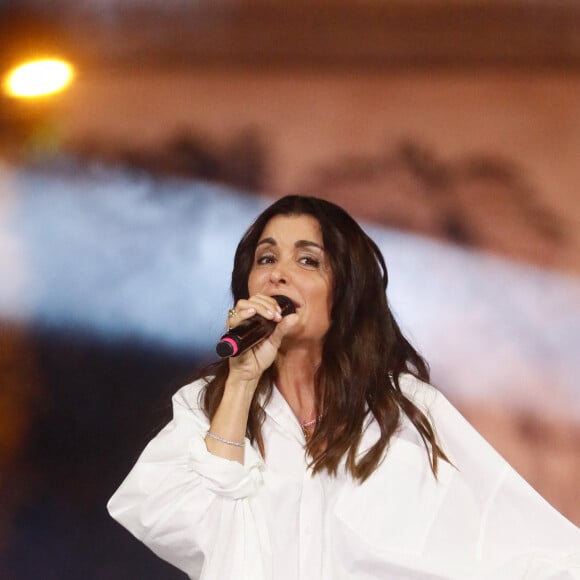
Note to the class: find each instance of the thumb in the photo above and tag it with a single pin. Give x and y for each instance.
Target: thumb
(283, 327)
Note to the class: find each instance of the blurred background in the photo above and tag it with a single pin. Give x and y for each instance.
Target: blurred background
(143, 137)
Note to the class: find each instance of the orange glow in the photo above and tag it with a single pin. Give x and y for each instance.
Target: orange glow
(38, 78)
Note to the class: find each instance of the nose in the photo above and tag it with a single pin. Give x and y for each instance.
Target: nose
(278, 275)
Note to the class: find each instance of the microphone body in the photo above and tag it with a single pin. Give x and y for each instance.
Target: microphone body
(251, 331)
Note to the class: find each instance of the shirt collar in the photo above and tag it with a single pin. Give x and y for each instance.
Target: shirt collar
(281, 414)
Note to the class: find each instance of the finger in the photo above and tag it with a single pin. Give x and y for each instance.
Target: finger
(238, 314)
(269, 303)
(265, 306)
(244, 309)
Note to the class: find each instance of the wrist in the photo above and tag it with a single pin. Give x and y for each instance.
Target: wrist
(240, 389)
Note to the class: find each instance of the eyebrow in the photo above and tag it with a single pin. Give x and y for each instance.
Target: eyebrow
(297, 244)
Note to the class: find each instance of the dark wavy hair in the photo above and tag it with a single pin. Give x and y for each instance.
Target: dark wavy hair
(363, 355)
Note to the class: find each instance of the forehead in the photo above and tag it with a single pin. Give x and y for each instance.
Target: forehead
(290, 228)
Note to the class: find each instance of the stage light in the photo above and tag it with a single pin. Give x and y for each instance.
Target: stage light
(38, 78)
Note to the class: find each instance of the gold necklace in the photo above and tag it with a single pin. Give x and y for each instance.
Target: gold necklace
(308, 424)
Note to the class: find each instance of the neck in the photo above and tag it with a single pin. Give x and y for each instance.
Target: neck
(295, 372)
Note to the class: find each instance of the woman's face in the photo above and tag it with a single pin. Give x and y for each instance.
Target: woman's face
(290, 259)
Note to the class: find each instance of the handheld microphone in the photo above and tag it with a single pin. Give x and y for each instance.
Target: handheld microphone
(251, 331)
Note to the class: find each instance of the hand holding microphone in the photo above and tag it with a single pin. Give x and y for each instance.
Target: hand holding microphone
(252, 331)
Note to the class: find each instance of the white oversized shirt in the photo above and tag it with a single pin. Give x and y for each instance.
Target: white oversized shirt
(271, 519)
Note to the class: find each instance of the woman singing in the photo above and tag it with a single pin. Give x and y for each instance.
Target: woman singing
(322, 453)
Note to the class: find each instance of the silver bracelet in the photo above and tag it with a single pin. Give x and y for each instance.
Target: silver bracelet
(226, 441)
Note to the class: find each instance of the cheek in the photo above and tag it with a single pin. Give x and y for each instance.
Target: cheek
(251, 285)
(254, 282)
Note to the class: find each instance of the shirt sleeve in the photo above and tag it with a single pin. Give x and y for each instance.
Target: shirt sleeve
(198, 511)
(523, 536)
(517, 533)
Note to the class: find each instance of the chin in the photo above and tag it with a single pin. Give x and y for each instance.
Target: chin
(300, 340)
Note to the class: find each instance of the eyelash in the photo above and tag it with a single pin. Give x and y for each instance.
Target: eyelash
(308, 261)
(266, 259)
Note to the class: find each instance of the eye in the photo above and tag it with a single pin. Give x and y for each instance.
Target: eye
(309, 261)
(265, 259)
